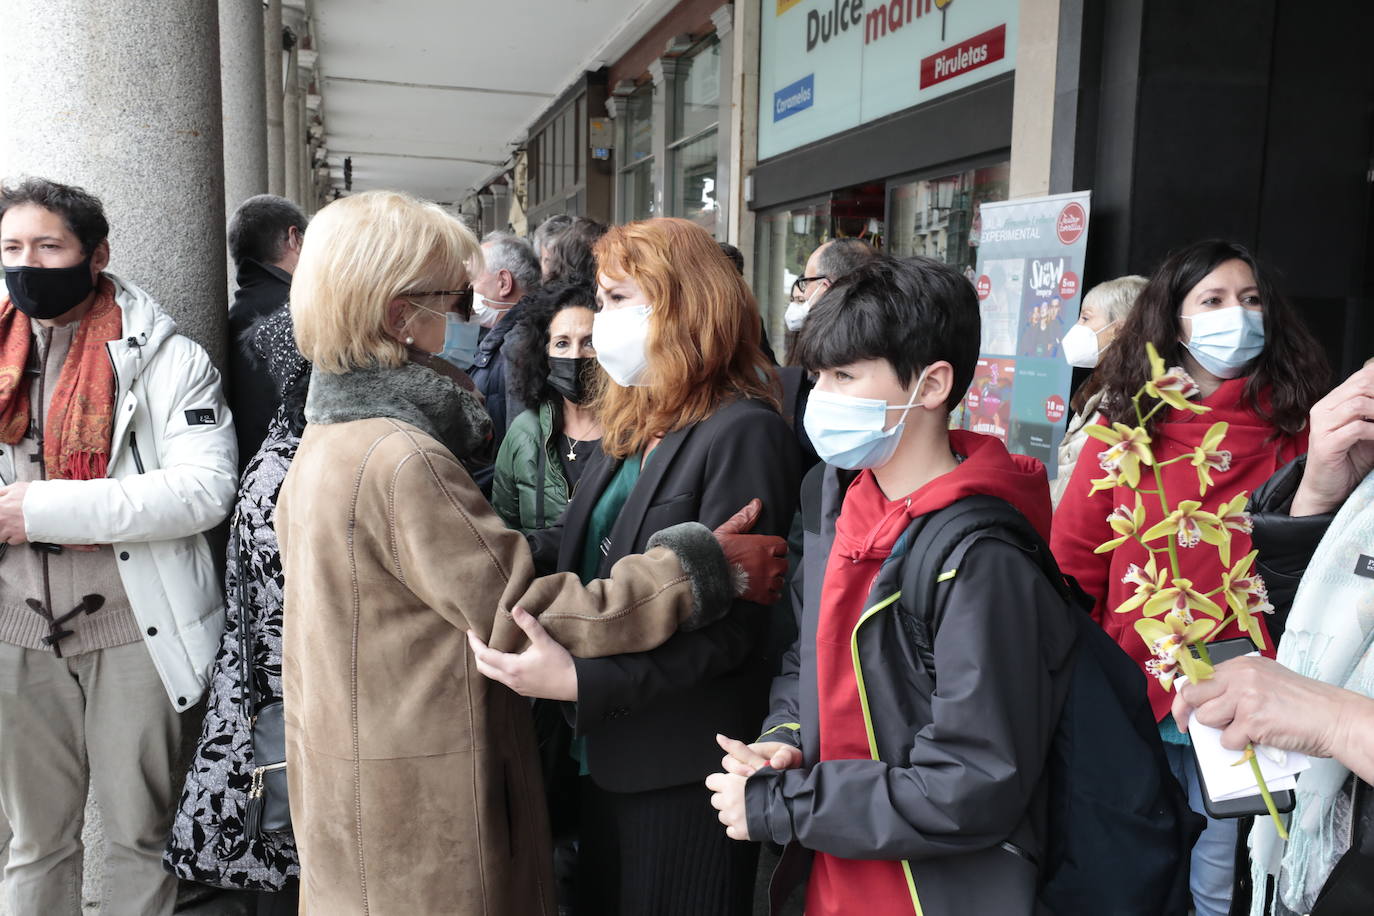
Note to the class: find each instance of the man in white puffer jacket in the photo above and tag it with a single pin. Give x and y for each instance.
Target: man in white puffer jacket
(116, 453)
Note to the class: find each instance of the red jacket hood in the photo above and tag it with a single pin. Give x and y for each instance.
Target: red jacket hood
(872, 525)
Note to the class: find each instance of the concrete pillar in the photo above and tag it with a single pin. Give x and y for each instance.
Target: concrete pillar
(724, 21)
(302, 151)
(243, 88)
(124, 100)
(276, 137)
(743, 127)
(1032, 129)
(293, 131)
(664, 72)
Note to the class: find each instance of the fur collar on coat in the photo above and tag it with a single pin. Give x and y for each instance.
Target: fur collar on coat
(412, 394)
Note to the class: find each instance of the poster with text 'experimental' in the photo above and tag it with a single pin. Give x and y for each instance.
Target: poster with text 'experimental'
(1030, 265)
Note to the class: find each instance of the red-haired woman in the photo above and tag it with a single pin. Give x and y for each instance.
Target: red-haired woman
(689, 422)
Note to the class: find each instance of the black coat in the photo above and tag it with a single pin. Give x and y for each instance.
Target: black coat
(1285, 543)
(253, 397)
(488, 373)
(650, 718)
(958, 775)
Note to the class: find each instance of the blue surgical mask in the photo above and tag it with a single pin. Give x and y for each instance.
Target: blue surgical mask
(460, 339)
(848, 432)
(1227, 340)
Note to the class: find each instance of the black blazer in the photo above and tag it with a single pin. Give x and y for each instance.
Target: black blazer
(650, 718)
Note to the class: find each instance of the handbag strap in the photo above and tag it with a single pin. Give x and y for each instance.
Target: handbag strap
(248, 692)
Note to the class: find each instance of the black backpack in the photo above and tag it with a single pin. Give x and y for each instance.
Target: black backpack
(1120, 831)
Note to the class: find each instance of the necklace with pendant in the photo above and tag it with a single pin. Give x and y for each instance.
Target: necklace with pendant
(572, 446)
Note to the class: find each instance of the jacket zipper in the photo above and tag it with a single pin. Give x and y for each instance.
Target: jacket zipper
(39, 411)
(868, 722)
(133, 447)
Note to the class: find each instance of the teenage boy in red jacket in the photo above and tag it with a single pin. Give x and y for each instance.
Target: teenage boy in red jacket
(907, 799)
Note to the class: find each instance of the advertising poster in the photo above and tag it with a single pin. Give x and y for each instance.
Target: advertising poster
(1030, 257)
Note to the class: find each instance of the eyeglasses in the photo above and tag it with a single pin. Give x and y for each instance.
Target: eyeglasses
(464, 296)
(799, 285)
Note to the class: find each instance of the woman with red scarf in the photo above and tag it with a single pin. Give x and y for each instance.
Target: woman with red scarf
(1211, 310)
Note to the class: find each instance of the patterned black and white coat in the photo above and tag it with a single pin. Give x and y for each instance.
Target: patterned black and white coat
(208, 842)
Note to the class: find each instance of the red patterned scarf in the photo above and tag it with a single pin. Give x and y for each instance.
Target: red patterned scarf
(80, 420)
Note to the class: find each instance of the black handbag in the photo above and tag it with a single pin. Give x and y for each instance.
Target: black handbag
(269, 811)
(1349, 891)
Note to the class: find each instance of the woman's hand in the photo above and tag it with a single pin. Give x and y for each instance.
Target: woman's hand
(544, 670)
(1259, 700)
(1340, 446)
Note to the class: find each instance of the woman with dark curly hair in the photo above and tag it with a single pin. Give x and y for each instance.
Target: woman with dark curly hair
(546, 448)
(1213, 310)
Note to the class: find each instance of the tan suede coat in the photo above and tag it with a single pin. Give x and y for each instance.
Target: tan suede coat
(413, 779)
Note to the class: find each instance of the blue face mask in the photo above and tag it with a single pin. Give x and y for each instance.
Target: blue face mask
(460, 339)
(848, 432)
(1227, 340)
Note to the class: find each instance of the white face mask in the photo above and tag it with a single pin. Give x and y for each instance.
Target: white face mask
(1227, 340)
(1081, 349)
(796, 313)
(621, 339)
(488, 312)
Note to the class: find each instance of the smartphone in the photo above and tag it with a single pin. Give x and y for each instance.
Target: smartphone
(1249, 805)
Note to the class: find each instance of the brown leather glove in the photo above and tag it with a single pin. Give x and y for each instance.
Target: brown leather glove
(757, 561)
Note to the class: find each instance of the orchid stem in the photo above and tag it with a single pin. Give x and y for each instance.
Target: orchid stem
(1159, 484)
(1264, 791)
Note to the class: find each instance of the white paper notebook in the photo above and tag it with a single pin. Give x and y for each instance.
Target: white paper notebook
(1224, 781)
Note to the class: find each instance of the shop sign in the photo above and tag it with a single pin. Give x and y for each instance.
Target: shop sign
(829, 65)
(1029, 261)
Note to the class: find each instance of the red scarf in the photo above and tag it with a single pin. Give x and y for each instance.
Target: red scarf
(80, 420)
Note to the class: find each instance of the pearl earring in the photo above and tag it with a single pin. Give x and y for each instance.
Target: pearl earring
(410, 341)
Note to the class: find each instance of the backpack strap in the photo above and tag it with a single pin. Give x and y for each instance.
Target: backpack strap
(938, 545)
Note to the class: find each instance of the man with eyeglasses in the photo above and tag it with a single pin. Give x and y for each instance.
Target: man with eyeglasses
(828, 263)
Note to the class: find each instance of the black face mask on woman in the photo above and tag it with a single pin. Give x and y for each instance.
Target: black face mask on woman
(49, 292)
(569, 376)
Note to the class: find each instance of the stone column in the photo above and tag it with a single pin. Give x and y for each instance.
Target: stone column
(1032, 126)
(724, 21)
(276, 142)
(664, 73)
(243, 88)
(292, 130)
(744, 127)
(124, 100)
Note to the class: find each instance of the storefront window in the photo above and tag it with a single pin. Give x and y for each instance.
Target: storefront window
(697, 105)
(692, 138)
(636, 173)
(938, 217)
(694, 181)
(784, 240)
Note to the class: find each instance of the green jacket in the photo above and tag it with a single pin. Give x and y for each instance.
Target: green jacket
(516, 486)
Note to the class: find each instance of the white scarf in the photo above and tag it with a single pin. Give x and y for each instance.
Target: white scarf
(1329, 638)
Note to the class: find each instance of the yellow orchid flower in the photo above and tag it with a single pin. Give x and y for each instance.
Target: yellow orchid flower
(1181, 598)
(1234, 517)
(1125, 522)
(1148, 581)
(1208, 458)
(1168, 639)
(1191, 524)
(1173, 386)
(1247, 595)
(1129, 448)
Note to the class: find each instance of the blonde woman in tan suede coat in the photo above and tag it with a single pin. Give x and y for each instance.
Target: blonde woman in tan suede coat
(413, 780)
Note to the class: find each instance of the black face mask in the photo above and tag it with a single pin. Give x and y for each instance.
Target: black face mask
(569, 376)
(48, 292)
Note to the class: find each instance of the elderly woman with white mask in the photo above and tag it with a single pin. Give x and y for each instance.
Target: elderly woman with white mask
(1104, 307)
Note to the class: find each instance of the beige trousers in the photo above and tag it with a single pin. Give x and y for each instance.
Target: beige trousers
(100, 719)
